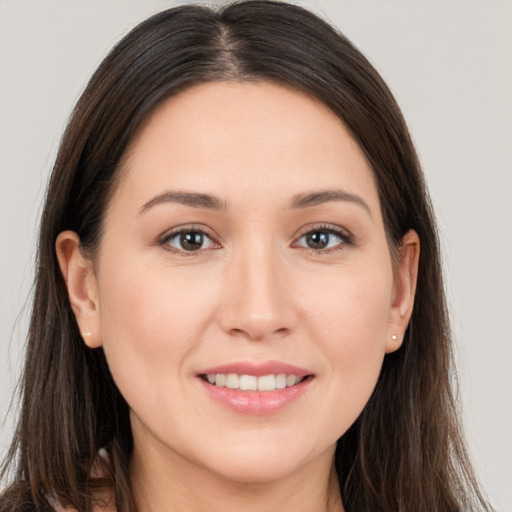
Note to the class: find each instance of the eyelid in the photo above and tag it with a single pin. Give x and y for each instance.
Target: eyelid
(184, 228)
(345, 235)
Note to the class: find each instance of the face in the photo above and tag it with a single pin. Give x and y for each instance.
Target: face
(243, 291)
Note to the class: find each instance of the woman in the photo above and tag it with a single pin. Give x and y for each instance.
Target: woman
(231, 308)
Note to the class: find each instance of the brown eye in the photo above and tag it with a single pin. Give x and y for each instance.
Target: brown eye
(322, 239)
(318, 239)
(190, 240)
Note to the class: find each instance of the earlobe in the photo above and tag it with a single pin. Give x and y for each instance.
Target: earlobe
(78, 274)
(406, 277)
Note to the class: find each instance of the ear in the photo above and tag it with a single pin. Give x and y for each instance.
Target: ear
(80, 279)
(404, 289)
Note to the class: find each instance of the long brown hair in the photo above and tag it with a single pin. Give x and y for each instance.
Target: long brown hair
(405, 451)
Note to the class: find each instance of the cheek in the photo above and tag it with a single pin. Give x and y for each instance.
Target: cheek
(350, 319)
(150, 322)
(352, 309)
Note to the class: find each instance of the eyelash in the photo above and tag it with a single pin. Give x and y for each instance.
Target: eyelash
(182, 230)
(346, 239)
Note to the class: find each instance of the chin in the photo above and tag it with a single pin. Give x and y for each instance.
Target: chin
(254, 472)
(269, 463)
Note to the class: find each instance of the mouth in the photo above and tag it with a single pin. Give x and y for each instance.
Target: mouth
(247, 382)
(256, 389)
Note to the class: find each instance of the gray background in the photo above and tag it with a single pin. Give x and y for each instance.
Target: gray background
(449, 64)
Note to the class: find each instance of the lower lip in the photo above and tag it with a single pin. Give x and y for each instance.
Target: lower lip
(256, 402)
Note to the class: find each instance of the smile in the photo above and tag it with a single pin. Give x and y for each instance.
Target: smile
(255, 388)
(252, 382)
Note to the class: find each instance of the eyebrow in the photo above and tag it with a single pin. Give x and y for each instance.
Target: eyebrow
(325, 196)
(197, 200)
(193, 199)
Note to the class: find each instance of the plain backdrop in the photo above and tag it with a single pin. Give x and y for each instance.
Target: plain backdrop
(448, 62)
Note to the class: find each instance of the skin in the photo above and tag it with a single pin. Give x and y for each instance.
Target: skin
(255, 291)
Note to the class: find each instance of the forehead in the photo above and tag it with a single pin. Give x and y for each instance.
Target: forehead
(231, 137)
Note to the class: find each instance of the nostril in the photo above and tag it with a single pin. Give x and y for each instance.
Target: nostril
(255, 333)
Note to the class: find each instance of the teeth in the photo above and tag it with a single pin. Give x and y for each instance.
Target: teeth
(290, 380)
(248, 383)
(267, 383)
(251, 382)
(232, 381)
(281, 381)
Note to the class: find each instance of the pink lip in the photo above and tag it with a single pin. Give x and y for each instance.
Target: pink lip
(256, 402)
(257, 369)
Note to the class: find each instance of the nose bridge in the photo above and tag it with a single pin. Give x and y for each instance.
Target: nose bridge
(256, 301)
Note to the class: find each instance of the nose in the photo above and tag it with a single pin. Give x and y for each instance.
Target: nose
(257, 303)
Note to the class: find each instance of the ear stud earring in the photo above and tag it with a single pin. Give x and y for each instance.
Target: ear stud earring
(394, 337)
(86, 333)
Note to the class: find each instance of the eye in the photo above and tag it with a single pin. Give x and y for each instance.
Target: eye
(323, 239)
(188, 240)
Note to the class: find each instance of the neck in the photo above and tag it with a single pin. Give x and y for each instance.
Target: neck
(162, 480)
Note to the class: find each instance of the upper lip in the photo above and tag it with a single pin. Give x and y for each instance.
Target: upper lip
(257, 369)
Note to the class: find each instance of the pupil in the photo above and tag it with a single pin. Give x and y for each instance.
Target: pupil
(191, 241)
(318, 239)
